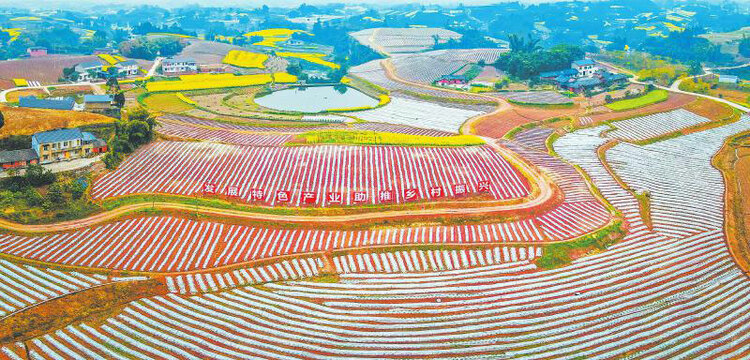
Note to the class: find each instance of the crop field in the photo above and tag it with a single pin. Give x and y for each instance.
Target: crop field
(27, 121)
(317, 176)
(314, 58)
(47, 69)
(427, 67)
(208, 52)
(428, 115)
(293, 269)
(652, 126)
(167, 244)
(254, 127)
(216, 81)
(403, 40)
(432, 260)
(245, 59)
(188, 132)
(675, 101)
(537, 98)
(24, 285)
(166, 102)
(652, 97)
(366, 137)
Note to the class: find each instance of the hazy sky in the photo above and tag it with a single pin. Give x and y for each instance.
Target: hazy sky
(79, 4)
(61, 4)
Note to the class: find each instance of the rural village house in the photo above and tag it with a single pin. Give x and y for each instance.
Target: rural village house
(36, 51)
(66, 144)
(583, 75)
(18, 158)
(179, 66)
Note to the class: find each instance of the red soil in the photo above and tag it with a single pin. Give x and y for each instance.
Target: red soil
(496, 126)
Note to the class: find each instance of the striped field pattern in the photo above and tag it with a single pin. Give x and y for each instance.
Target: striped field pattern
(185, 168)
(22, 286)
(285, 270)
(650, 296)
(417, 113)
(188, 132)
(166, 244)
(655, 125)
(431, 260)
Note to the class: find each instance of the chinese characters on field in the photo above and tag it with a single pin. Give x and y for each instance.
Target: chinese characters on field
(282, 197)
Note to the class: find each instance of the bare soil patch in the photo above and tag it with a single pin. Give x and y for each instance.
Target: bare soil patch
(495, 126)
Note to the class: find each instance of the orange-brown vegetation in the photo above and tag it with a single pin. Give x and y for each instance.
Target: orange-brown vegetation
(734, 162)
(25, 121)
(92, 305)
(13, 96)
(713, 110)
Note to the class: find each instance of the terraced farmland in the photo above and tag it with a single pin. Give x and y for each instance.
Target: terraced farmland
(321, 176)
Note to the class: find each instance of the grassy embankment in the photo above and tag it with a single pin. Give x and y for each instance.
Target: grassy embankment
(652, 97)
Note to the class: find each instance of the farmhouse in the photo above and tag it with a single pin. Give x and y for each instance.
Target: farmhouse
(60, 103)
(583, 75)
(127, 68)
(66, 144)
(18, 158)
(36, 51)
(452, 80)
(728, 79)
(179, 66)
(584, 68)
(97, 103)
(87, 71)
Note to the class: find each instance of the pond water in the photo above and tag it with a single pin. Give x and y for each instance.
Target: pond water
(315, 99)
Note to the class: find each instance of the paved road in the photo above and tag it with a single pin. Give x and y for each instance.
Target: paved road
(675, 87)
(155, 66)
(94, 87)
(64, 166)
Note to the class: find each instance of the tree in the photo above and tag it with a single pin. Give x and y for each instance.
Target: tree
(119, 99)
(519, 44)
(695, 68)
(36, 175)
(2, 120)
(55, 194)
(744, 46)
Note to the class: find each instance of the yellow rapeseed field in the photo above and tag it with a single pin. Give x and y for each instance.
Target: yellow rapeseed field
(272, 36)
(245, 59)
(211, 81)
(314, 58)
(364, 137)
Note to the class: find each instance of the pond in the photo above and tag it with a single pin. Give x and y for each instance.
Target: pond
(315, 99)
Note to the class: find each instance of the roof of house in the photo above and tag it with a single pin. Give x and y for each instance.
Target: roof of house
(584, 82)
(729, 78)
(87, 136)
(55, 104)
(58, 135)
(37, 48)
(609, 77)
(89, 65)
(178, 60)
(18, 155)
(583, 62)
(97, 98)
(128, 63)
